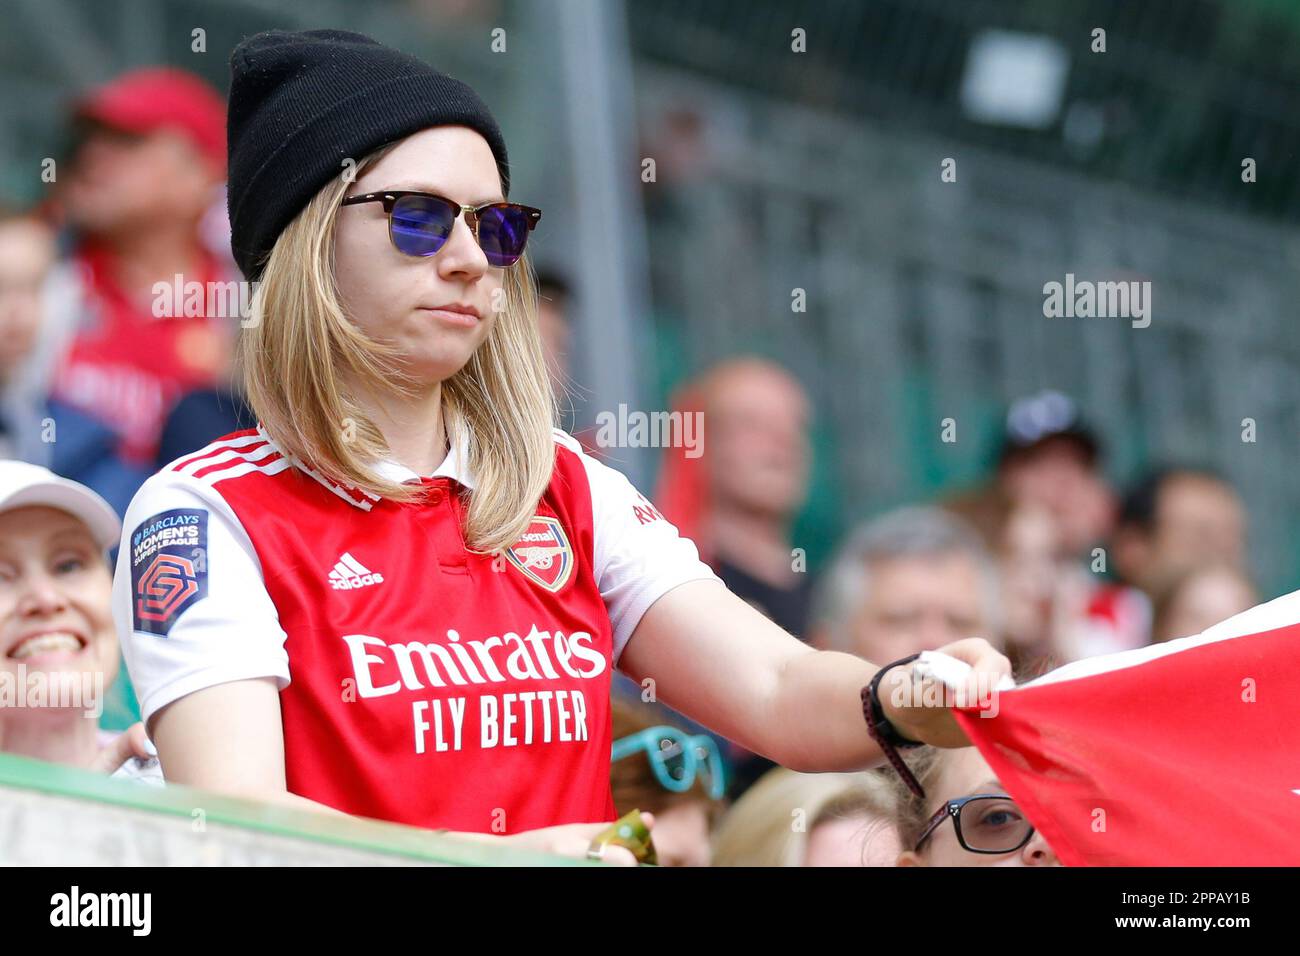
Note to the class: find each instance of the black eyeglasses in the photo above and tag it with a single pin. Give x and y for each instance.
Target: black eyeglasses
(985, 823)
(419, 224)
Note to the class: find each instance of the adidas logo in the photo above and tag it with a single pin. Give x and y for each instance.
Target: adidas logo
(350, 573)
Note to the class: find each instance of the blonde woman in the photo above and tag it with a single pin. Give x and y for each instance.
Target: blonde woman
(810, 819)
(402, 595)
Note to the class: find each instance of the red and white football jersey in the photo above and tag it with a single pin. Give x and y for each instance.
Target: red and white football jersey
(419, 682)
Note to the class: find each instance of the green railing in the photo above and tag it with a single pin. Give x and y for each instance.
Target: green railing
(55, 815)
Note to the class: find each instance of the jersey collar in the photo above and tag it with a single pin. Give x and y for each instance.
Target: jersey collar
(455, 466)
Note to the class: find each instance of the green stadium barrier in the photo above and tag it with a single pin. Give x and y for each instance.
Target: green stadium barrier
(51, 815)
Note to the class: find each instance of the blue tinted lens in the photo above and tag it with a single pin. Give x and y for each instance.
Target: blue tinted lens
(503, 232)
(421, 224)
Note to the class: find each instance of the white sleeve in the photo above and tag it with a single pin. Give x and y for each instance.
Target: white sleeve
(189, 600)
(639, 555)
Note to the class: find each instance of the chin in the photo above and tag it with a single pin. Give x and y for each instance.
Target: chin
(428, 369)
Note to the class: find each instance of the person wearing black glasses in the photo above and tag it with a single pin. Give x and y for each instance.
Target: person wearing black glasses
(403, 594)
(965, 817)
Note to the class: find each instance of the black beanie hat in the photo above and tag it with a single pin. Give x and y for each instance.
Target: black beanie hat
(302, 103)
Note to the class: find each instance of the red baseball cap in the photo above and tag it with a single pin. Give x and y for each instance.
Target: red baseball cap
(154, 98)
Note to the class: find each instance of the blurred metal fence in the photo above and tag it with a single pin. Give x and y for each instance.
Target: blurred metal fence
(1184, 91)
(925, 300)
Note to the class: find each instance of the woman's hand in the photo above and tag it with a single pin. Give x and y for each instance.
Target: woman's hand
(130, 743)
(573, 839)
(920, 710)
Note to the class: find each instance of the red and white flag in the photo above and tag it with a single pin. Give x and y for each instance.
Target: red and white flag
(1185, 753)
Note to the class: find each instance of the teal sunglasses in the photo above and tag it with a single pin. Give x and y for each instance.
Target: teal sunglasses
(677, 758)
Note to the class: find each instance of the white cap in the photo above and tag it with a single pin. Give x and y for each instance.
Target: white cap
(23, 485)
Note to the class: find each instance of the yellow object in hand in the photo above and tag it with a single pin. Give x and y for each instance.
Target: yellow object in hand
(628, 831)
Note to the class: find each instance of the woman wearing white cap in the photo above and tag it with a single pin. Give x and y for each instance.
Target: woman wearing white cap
(59, 647)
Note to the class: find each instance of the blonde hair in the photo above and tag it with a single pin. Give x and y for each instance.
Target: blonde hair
(760, 829)
(299, 350)
(909, 812)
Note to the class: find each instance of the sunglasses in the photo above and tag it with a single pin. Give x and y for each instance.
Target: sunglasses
(419, 224)
(985, 823)
(677, 758)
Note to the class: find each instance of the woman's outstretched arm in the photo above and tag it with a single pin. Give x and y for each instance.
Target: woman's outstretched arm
(719, 661)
